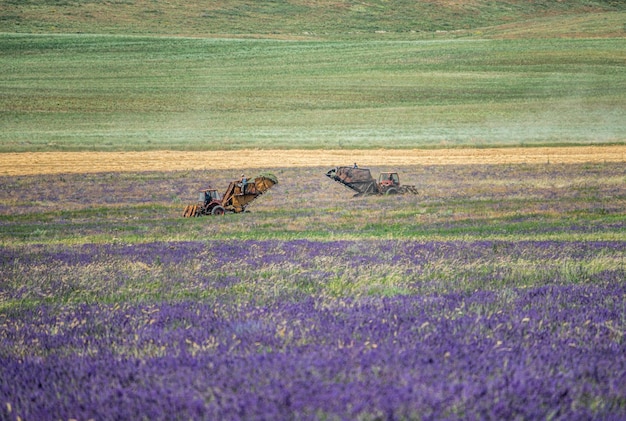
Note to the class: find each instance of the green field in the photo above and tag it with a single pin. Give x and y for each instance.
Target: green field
(113, 92)
(145, 75)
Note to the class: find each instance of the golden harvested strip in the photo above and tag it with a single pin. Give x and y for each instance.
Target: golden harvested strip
(89, 162)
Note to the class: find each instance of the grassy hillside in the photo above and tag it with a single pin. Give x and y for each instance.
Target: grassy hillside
(156, 74)
(93, 92)
(303, 18)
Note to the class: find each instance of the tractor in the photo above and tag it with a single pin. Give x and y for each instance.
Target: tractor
(237, 197)
(361, 181)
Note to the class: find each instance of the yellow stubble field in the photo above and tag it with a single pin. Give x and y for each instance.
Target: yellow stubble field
(32, 163)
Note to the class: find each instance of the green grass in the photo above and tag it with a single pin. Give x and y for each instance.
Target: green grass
(93, 92)
(310, 225)
(145, 75)
(585, 25)
(290, 18)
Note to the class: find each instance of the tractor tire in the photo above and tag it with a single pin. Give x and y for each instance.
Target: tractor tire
(391, 191)
(218, 210)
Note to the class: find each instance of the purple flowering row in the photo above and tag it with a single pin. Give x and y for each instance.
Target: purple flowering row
(547, 352)
(314, 330)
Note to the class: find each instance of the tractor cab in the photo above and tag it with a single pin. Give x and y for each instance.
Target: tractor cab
(209, 195)
(389, 179)
(388, 183)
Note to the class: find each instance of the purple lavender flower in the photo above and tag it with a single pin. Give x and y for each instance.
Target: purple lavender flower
(199, 330)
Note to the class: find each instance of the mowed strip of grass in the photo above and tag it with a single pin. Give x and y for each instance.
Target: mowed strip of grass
(85, 92)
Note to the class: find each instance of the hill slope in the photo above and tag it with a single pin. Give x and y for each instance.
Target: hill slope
(302, 18)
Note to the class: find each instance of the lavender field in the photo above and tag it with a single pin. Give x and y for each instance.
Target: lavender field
(499, 292)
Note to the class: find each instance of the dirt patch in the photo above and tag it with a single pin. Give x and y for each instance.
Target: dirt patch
(91, 162)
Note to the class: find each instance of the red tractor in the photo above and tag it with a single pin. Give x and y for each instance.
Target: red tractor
(237, 196)
(361, 181)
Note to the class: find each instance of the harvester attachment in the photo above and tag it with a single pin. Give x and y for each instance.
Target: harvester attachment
(191, 211)
(358, 179)
(409, 189)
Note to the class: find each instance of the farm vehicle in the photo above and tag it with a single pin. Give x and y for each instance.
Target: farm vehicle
(361, 181)
(237, 197)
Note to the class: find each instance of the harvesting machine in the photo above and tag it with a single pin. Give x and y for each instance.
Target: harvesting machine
(361, 181)
(237, 197)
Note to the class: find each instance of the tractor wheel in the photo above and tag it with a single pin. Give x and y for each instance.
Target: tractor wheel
(390, 191)
(218, 210)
